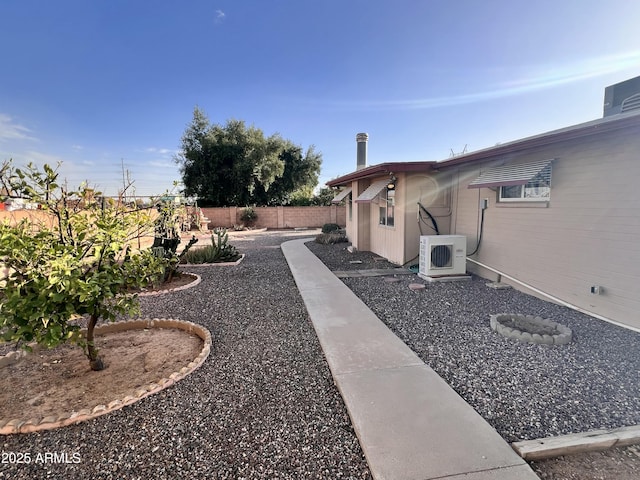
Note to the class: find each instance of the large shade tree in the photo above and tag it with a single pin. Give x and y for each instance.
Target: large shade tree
(234, 164)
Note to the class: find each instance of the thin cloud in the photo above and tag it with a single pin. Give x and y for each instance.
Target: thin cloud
(9, 130)
(161, 151)
(39, 158)
(159, 164)
(529, 79)
(220, 15)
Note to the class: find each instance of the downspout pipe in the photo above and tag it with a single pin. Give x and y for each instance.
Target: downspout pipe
(552, 298)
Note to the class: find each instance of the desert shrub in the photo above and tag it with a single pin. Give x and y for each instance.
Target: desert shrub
(249, 215)
(219, 251)
(330, 238)
(330, 227)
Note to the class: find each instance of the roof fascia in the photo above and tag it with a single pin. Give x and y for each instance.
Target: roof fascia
(381, 169)
(596, 127)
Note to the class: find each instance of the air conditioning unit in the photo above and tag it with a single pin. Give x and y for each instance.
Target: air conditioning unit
(622, 97)
(442, 255)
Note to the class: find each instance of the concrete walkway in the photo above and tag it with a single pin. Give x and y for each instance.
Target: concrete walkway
(410, 423)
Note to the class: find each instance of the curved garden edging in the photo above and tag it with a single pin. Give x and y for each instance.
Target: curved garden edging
(195, 282)
(530, 329)
(216, 264)
(17, 425)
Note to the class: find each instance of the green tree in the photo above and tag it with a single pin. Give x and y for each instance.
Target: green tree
(299, 178)
(74, 262)
(234, 164)
(323, 197)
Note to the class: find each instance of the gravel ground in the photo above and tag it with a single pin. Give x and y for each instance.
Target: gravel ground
(525, 391)
(263, 405)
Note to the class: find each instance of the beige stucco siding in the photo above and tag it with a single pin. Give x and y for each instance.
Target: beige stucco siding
(433, 191)
(388, 242)
(358, 227)
(588, 234)
(400, 243)
(352, 220)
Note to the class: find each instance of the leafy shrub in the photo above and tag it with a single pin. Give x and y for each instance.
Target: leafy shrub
(217, 252)
(249, 215)
(330, 238)
(330, 227)
(77, 262)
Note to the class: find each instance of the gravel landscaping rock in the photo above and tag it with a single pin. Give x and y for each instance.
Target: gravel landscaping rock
(263, 405)
(525, 391)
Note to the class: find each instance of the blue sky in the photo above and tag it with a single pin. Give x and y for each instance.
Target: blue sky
(97, 84)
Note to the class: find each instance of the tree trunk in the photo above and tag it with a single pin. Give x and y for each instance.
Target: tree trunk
(92, 353)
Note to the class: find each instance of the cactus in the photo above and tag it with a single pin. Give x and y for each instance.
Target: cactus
(220, 250)
(223, 251)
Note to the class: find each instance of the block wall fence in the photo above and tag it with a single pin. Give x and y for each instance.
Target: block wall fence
(278, 217)
(268, 217)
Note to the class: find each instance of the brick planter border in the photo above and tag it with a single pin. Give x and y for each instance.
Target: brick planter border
(16, 425)
(563, 336)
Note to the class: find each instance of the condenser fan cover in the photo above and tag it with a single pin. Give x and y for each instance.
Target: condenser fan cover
(441, 256)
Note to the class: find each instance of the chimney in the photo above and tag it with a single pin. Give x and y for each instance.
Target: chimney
(362, 139)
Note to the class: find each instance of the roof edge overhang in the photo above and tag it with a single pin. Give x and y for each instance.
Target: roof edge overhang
(583, 130)
(381, 169)
(599, 126)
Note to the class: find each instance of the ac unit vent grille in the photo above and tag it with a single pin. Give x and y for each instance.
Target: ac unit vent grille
(631, 103)
(441, 256)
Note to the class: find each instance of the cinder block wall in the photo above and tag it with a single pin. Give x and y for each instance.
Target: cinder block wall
(278, 217)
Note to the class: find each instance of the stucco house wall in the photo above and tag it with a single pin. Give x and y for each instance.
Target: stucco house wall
(358, 225)
(433, 192)
(388, 241)
(399, 243)
(587, 234)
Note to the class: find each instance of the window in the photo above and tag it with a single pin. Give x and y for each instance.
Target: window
(523, 182)
(538, 189)
(387, 207)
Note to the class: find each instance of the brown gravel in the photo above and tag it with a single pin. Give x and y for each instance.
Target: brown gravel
(262, 406)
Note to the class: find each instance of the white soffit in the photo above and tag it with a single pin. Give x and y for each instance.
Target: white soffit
(506, 175)
(342, 195)
(372, 191)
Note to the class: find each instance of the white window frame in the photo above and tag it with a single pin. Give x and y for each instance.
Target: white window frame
(387, 208)
(536, 190)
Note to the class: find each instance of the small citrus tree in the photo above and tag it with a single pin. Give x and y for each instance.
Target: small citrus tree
(74, 261)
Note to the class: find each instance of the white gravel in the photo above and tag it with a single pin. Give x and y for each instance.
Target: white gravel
(525, 391)
(263, 405)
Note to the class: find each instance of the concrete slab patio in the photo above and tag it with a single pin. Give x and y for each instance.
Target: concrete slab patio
(410, 423)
